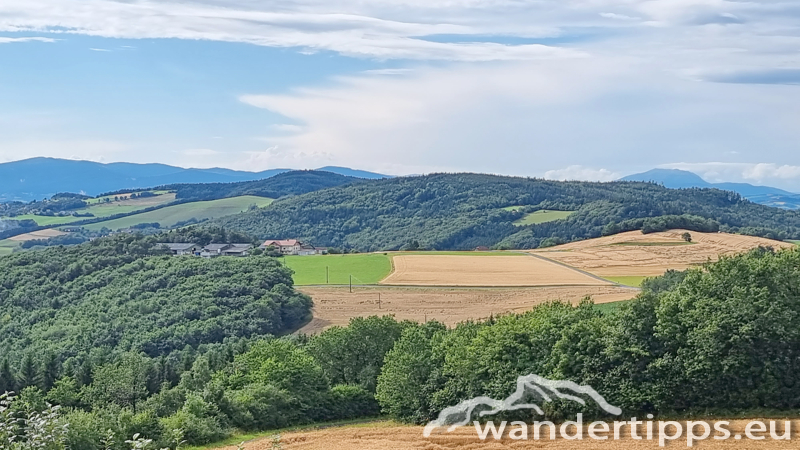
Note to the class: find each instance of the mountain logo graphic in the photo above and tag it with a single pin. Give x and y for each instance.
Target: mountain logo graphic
(527, 386)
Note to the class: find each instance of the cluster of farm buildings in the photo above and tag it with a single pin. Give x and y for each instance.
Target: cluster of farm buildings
(284, 246)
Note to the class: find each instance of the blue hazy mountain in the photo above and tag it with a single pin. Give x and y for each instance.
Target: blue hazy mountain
(348, 172)
(37, 178)
(682, 179)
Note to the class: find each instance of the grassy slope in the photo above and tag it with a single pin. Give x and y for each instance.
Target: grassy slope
(46, 221)
(795, 242)
(171, 215)
(368, 268)
(101, 209)
(631, 280)
(542, 217)
(7, 246)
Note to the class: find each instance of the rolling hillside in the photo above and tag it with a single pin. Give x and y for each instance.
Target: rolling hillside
(172, 215)
(463, 211)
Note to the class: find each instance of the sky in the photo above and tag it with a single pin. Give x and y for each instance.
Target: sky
(562, 89)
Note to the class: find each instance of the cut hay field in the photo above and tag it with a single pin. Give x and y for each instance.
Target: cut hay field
(33, 235)
(336, 305)
(634, 254)
(367, 268)
(171, 215)
(469, 270)
(393, 436)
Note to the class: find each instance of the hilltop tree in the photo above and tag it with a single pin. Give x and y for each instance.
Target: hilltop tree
(29, 374)
(7, 381)
(687, 237)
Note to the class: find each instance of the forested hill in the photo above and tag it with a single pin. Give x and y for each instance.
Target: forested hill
(288, 183)
(121, 293)
(462, 211)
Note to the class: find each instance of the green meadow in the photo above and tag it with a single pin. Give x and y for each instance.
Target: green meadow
(542, 216)
(366, 268)
(631, 280)
(100, 208)
(7, 246)
(171, 215)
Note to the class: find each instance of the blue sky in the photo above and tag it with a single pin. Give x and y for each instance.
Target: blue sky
(567, 89)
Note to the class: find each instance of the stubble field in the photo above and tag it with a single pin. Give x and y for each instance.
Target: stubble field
(391, 436)
(635, 254)
(467, 270)
(336, 305)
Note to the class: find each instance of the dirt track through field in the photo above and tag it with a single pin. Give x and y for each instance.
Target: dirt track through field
(452, 270)
(388, 436)
(336, 305)
(634, 253)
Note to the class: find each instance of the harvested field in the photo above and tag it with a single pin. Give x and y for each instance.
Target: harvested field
(336, 305)
(637, 254)
(41, 234)
(391, 436)
(451, 270)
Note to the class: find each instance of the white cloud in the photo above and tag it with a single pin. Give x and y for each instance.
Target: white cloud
(580, 173)
(99, 49)
(10, 40)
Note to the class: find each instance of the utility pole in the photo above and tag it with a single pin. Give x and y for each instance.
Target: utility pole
(327, 276)
(379, 300)
(351, 284)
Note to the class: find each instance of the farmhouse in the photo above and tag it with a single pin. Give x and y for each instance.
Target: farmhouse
(180, 249)
(293, 247)
(213, 250)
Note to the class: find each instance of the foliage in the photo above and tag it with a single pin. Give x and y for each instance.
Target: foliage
(289, 183)
(724, 338)
(464, 211)
(119, 294)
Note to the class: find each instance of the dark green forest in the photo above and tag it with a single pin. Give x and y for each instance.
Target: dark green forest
(463, 211)
(121, 294)
(289, 183)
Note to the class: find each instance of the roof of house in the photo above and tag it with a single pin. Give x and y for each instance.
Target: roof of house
(282, 242)
(236, 250)
(216, 247)
(243, 246)
(176, 246)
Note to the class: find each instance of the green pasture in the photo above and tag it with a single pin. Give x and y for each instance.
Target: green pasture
(171, 215)
(608, 308)
(366, 268)
(631, 280)
(46, 221)
(542, 217)
(795, 242)
(7, 246)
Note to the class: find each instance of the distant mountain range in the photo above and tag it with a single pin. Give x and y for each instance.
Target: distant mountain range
(682, 179)
(38, 178)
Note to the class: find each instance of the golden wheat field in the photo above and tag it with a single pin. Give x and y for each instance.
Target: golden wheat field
(41, 234)
(390, 436)
(336, 305)
(467, 270)
(634, 253)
